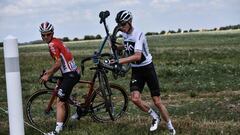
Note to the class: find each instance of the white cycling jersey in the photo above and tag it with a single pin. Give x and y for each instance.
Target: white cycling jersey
(136, 42)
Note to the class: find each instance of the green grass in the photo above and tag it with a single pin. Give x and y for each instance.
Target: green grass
(198, 74)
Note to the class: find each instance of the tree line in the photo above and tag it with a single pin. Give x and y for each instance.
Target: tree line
(230, 27)
(92, 37)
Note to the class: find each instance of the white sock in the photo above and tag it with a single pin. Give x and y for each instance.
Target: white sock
(169, 125)
(153, 113)
(59, 127)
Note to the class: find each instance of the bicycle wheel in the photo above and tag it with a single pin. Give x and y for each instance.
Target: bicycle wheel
(38, 115)
(106, 93)
(119, 101)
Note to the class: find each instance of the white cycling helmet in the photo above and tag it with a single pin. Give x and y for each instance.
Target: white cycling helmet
(123, 16)
(46, 27)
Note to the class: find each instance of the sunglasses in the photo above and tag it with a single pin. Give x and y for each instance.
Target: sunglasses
(122, 24)
(44, 35)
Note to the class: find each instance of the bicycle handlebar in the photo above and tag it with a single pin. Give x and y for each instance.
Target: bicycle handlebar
(116, 68)
(51, 79)
(90, 58)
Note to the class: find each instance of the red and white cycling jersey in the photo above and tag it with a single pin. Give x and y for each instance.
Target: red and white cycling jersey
(58, 50)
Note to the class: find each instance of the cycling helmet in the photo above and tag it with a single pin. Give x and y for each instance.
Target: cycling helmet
(46, 27)
(123, 16)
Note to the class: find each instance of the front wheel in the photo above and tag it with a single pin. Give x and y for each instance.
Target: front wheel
(41, 113)
(119, 102)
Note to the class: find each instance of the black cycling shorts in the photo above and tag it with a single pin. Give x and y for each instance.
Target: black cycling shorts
(69, 80)
(142, 75)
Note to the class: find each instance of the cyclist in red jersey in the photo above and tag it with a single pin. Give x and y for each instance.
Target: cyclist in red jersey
(65, 62)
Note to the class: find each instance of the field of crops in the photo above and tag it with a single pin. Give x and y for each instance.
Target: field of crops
(198, 73)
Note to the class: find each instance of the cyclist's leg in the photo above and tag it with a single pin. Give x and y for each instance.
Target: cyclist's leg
(136, 87)
(64, 91)
(61, 112)
(153, 84)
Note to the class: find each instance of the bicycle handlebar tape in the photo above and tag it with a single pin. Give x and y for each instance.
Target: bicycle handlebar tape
(13, 85)
(103, 15)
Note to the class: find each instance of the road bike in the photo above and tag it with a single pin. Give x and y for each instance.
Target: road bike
(104, 101)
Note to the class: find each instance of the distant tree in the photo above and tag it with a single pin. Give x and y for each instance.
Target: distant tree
(98, 37)
(236, 26)
(151, 33)
(1, 44)
(65, 39)
(171, 31)
(196, 30)
(163, 32)
(179, 30)
(75, 39)
(191, 30)
(89, 37)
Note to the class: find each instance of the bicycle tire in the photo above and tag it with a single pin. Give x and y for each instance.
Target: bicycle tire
(119, 98)
(106, 93)
(36, 114)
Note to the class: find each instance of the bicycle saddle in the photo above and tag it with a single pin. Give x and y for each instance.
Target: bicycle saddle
(103, 15)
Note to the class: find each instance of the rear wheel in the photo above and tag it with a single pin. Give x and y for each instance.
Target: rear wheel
(38, 114)
(119, 102)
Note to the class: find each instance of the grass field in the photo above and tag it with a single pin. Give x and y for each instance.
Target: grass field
(198, 73)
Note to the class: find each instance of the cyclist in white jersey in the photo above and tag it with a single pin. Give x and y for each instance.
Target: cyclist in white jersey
(143, 71)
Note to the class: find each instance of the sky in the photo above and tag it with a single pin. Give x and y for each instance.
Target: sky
(77, 18)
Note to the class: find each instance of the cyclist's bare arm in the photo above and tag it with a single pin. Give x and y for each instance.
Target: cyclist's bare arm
(51, 71)
(136, 57)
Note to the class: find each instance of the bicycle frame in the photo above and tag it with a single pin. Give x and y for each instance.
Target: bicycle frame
(103, 15)
(87, 98)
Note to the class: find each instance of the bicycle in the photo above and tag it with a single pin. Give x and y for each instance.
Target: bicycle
(107, 102)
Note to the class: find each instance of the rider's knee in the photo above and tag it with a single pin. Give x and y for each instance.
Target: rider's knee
(157, 100)
(135, 97)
